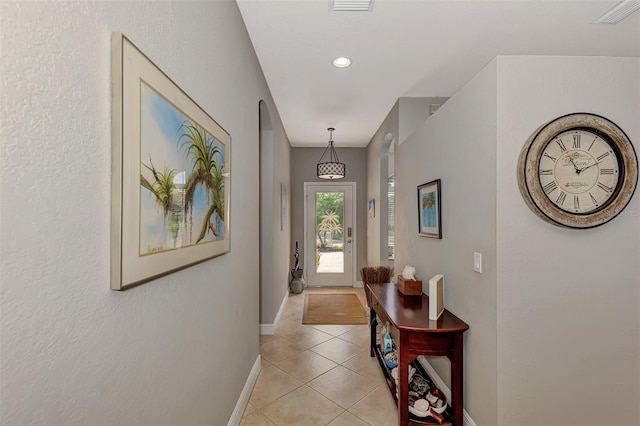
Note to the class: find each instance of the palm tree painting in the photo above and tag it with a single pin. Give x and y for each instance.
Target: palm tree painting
(182, 178)
(429, 214)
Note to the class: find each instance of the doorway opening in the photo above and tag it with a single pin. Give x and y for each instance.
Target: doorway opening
(330, 233)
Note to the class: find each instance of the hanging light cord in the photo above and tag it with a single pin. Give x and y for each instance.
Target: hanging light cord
(332, 152)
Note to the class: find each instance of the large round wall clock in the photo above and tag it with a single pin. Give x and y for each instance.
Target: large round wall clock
(578, 171)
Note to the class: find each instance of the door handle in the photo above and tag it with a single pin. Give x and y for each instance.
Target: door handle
(349, 241)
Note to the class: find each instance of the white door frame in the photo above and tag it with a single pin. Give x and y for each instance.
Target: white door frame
(354, 233)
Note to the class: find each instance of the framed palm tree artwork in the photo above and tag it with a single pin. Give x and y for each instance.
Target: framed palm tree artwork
(429, 217)
(170, 174)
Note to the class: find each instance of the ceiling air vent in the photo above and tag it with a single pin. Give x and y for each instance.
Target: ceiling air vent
(351, 5)
(618, 12)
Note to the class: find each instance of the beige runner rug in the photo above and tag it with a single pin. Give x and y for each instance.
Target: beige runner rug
(333, 308)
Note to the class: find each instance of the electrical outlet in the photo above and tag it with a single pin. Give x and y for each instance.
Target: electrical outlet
(477, 262)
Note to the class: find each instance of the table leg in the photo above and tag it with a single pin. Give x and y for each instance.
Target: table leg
(403, 378)
(456, 380)
(372, 332)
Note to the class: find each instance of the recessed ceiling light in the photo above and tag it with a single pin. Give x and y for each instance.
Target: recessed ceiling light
(341, 62)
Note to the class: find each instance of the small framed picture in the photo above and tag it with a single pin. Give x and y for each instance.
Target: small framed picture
(372, 208)
(429, 220)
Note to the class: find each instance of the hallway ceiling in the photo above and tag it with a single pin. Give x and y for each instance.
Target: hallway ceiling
(417, 48)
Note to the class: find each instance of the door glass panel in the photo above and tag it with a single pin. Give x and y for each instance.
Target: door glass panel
(329, 232)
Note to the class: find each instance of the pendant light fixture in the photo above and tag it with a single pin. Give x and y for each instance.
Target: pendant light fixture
(330, 168)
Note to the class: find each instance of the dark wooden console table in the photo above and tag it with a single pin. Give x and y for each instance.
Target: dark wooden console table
(417, 336)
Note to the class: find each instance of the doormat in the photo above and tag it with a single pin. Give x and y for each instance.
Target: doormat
(333, 308)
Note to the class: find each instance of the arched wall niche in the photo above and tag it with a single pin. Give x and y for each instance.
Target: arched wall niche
(266, 211)
(387, 148)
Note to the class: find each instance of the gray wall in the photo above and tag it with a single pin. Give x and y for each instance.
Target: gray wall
(457, 145)
(555, 315)
(303, 169)
(412, 113)
(274, 238)
(568, 300)
(403, 119)
(177, 350)
(377, 165)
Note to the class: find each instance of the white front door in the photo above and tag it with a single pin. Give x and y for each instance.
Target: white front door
(329, 233)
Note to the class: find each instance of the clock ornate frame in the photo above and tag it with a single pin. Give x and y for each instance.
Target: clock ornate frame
(529, 181)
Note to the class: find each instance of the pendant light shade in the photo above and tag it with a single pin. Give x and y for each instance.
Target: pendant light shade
(330, 167)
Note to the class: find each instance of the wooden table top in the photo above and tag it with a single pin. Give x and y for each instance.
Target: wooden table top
(411, 313)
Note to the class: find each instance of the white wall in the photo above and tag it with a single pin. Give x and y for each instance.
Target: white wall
(457, 145)
(177, 350)
(568, 312)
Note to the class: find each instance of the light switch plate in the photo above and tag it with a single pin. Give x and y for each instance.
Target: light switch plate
(477, 262)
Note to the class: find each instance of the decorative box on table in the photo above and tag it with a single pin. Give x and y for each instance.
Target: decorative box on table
(409, 287)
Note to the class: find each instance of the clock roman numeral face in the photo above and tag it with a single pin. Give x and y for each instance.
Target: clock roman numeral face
(578, 171)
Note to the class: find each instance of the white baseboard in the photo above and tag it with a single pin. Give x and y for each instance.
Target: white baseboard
(267, 329)
(243, 400)
(359, 284)
(466, 420)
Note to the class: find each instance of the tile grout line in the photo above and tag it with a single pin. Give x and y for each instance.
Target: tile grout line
(292, 316)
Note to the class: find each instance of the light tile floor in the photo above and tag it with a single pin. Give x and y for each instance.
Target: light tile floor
(319, 374)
